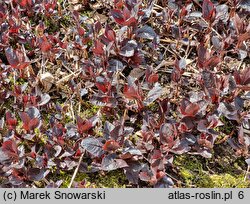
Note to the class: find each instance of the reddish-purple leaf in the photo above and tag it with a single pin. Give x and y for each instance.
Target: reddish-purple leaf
(98, 49)
(110, 33)
(228, 110)
(23, 3)
(104, 100)
(203, 140)
(144, 176)
(208, 10)
(10, 151)
(118, 16)
(164, 182)
(9, 146)
(192, 109)
(93, 146)
(130, 22)
(97, 27)
(129, 49)
(11, 122)
(181, 146)
(118, 3)
(33, 123)
(11, 57)
(35, 174)
(102, 84)
(131, 92)
(153, 78)
(26, 120)
(115, 65)
(130, 152)
(44, 44)
(83, 125)
(146, 32)
(111, 145)
(167, 134)
(132, 171)
(80, 30)
(202, 55)
(212, 62)
(153, 94)
(189, 109)
(126, 13)
(238, 23)
(110, 162)
(243, 77)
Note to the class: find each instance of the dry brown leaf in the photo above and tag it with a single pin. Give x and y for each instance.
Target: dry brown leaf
(47, 80)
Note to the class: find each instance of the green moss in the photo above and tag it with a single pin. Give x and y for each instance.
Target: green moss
(228, 127)
(134, 138)
(3, 180)
(88, 110)
(189, 169)
(113, 179)
(43, 139)
(66, 177)
(193, 174)
(186, 174)
(66, 118)
(56, 175)
(28, 47)
(229, 181)
(21, 81)
(87, 13)
(65, 20)
(224, 130)
(52, 25)
(223, 181)
(153, 107)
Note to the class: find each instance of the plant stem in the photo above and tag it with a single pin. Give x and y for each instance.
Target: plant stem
(75, 172)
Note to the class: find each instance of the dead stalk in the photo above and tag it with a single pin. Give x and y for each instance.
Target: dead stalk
(247, 172)
(72, 110)
(75, 172)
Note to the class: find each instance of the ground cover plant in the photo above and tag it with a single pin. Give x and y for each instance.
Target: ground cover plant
(124, 93)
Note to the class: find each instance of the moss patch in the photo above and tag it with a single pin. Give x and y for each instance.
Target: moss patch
(194, 174)
(88, 110)
(229, 181)
(113, 179)
(228, 126)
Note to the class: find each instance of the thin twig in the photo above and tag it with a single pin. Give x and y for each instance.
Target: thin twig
(75, 172)
(247, 172)
(79, 106)
(241, 61)
(185, 74)
(197, 2)
(34, 186)
(72, 110)
(67, 78)
(66, 67)
(46, 181)
(164, 63)
(211, 27)
(124, 116)
(167, 40)
(158, 6)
